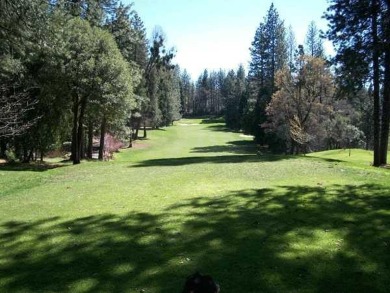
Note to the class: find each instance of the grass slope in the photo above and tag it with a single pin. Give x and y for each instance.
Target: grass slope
(197, 197)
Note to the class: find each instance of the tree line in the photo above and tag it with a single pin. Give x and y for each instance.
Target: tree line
(295, 99)
(70, 70)
(74, 70)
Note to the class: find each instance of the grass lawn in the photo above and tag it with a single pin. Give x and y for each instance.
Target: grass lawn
(197, 197)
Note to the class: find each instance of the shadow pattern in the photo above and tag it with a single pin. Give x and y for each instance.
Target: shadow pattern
(213, 120)
(234, 147)
(288, 239)
(224, 159)
(218, 128)
(35, 167)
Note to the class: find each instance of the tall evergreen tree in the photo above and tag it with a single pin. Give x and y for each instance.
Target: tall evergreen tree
(202, 96)
(129, 33)
(231, 102)
(186, 93)
(96, 12)
(159, 63)
(169, 96)
(360, 31)
(234, 90)
(140, 45)
(291, 47)
(130, 36)
(213, 102)
(220, 81)
(268, 54)
(313, 43)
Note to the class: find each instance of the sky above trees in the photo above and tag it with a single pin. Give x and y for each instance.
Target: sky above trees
(217, 34)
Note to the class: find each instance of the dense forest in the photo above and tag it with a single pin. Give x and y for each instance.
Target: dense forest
(72, 71)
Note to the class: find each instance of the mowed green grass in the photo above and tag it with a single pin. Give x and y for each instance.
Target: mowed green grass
(196, 197)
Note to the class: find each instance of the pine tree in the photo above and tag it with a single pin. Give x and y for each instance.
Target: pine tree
(360, 30)
(202, 96)
(220, 80)
(234, 91)
(96, 12)
(159, 63)
(291, 47)
(268, 54)
(314, 44)
(231, 102)
(186, 93)
(169, 96)
(140, 45)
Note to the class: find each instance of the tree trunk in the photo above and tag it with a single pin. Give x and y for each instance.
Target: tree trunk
(102, 134)
(90, 140)
(75, 156)
(137, 129)
(26, 156)
(131, 138)
(3, 148)
(292, 150)
(376, 80)
(83, 146)
(80, 130)
(31, 156)
(145, 133)
(384, 141)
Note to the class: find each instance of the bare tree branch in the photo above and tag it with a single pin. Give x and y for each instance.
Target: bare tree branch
(14, 108)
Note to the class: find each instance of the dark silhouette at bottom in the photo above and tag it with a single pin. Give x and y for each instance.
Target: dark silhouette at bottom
(198, 283)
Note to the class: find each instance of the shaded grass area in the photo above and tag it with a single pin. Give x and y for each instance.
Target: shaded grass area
(282, 239)
(218, 127)
(221, 159)
(35, 167)
(213, 120)
(235, 147)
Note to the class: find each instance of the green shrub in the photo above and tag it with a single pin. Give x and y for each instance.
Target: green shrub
(10, 156)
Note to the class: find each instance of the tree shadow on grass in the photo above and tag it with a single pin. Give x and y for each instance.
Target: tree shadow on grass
(288, 239)
(218, 128)
(213, 120)
(225, 159)
(329, 160)
(35, 167)
(234, 147)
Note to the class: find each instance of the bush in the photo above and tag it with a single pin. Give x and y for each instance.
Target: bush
(111, 145)
(10, 156)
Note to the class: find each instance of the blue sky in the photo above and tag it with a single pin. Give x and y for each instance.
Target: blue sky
(217, 34)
